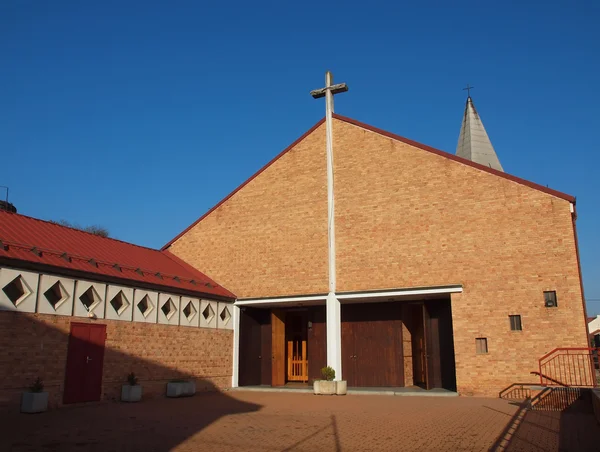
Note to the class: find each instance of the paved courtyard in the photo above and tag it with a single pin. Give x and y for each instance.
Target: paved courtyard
(266, 421)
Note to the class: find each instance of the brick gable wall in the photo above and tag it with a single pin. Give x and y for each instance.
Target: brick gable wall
(406, 218)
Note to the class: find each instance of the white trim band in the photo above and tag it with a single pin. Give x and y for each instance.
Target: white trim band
(280, 300)
(355, 295)
(400, 293)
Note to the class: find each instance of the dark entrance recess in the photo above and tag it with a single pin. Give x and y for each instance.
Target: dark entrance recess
(372, 354)
(264, 336)
(430, 325)
(440, 344)
(296, 340)
(255, 347)
(83, 380)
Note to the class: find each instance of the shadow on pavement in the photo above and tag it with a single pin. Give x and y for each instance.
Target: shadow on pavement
(562, 423)
(38, 347)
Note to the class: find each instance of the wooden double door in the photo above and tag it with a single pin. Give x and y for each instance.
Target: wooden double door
(372, 349)
(85, 360)
(279, 346)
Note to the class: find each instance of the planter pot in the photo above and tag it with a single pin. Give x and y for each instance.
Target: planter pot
(181, 388)
(34, 402)
(327, 387)
(316, 387)
(189, 388)
(341, 387)
(131, 393)
(175, 389)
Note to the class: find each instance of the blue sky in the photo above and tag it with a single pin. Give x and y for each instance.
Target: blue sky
(140, 116)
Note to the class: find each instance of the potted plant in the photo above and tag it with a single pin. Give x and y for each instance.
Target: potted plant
(36, 400)
(131, 392)
(181, 388)
(326, 386)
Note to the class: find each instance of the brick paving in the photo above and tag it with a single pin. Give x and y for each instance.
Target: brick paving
(265, 421)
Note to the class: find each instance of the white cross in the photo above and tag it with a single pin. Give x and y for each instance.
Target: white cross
(328, 92)
(333, 320)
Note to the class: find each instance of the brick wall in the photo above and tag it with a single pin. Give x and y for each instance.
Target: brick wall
(413, 218)
(270, 238)
(406, 218)
(36, 345)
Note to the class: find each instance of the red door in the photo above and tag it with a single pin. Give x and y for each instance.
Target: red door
(83, 380)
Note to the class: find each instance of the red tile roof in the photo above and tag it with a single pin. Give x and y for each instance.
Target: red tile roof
(41, 243)
(416, 144)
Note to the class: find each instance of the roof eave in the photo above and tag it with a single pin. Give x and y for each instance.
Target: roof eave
(78, 274)
(456, 158)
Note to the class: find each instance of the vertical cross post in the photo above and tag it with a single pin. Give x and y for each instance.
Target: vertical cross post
(334, 336)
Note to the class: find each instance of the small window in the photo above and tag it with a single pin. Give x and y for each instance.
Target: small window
(515, 322)
(481, 345)
(550, 299)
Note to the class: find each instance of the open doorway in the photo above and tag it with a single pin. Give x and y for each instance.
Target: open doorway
(282, 346)
(296, 349)
(432, 341)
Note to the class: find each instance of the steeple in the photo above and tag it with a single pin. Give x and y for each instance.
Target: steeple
(473, 141)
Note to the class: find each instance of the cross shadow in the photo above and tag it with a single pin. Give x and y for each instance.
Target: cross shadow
(332, 426)
(37, 345)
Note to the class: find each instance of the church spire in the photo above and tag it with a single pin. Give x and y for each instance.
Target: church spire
(473, 141)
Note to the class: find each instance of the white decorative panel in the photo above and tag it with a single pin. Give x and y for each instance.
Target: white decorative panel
(189, 314)
(145, 306)
(168, 309)
(119, 303)
(225, 316)
(56, 295)
(208, 313)
(89, 299)
(18, 290)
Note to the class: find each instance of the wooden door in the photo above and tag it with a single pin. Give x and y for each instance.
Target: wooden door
(266, 339)
(85, 357)
(317, 342)
(349, 319)
(250, 364)
(440, 345)
(277, 347)
(414, 319)
(432, 349)
(372, 350)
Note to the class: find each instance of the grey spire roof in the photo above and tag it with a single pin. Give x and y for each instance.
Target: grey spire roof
(473, 142)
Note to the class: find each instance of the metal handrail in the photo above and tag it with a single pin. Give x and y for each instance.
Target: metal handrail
(569, 366)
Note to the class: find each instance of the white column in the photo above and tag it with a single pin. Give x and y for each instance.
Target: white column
(334, 337)
(236, 346)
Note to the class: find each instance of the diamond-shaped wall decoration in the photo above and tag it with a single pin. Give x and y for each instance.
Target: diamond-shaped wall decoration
(225, 315)
(17, 290)
(190, 311)
(168, 309)
(145, 306)
(208, 313)
(90, 299)
(56, 295)
(120, 302)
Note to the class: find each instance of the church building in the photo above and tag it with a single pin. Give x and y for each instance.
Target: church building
(397, 264)
(448, 272)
